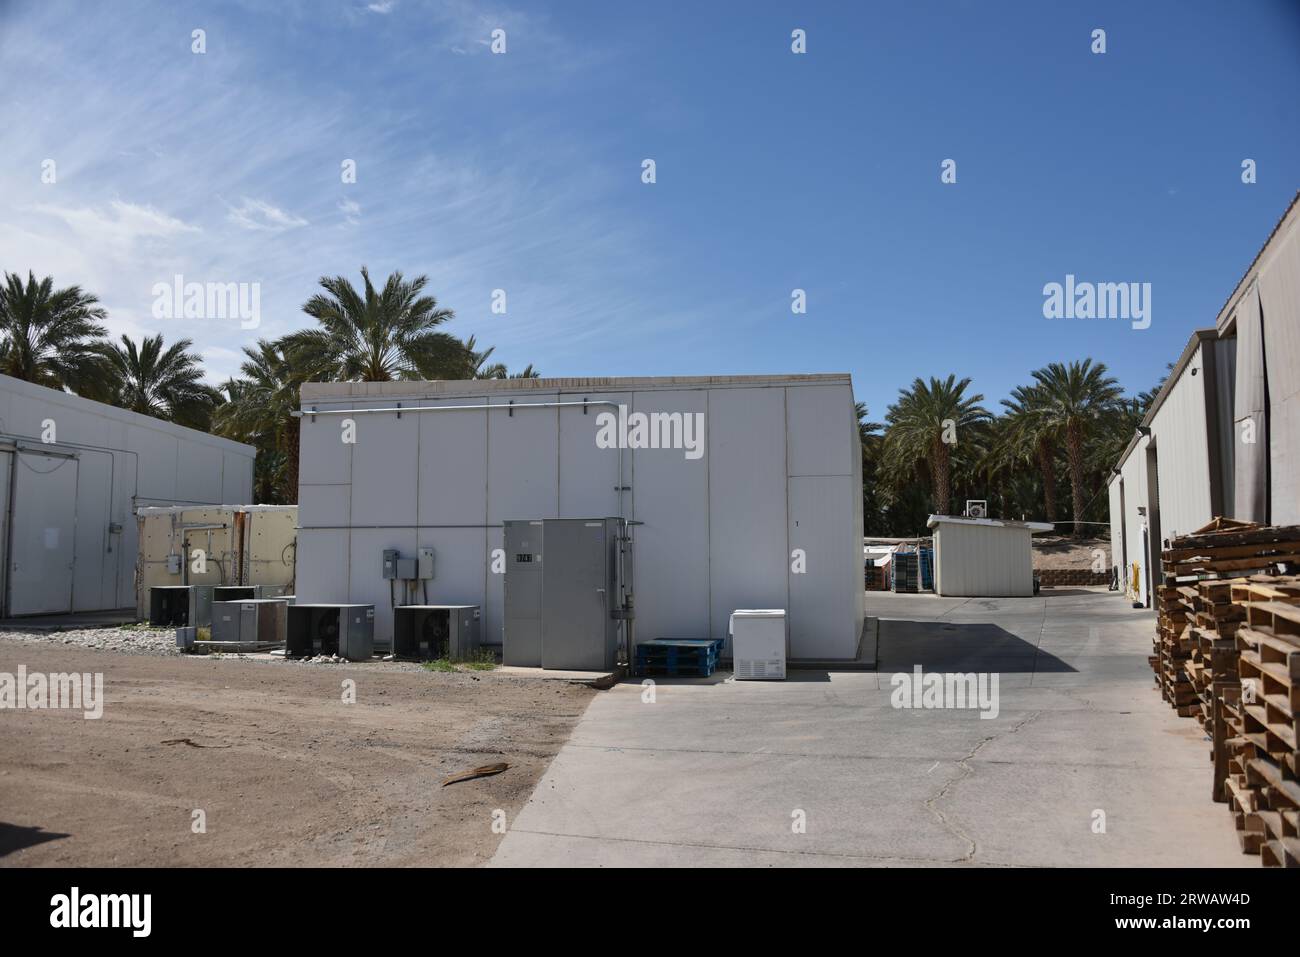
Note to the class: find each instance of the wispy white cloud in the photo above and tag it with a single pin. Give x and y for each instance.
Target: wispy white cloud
(120, 223)
(381, 6)
(257, 214)
(351, 211)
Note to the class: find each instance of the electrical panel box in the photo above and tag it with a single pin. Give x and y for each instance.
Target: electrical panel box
(565, 612)
(390, 563)
(176, 606)
(426, 632)
(405, 569)
(260, 620)
(173, 564)
(522, 642)
(426, 563)
(344, 630)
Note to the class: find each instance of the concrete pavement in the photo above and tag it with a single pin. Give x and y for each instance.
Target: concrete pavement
(718, 773)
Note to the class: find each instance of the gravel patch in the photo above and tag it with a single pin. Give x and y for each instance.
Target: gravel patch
(153, 641)
(131, 641)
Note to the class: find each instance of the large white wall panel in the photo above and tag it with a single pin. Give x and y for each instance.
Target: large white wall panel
(523, 460)
(1134, 473)
(748, 554)
(588, 474)
(816, 419)
(1279, 293)
(819, 596)
(672, 548)
(453, 465)
(385, 469)
(1181, 436)
(321, 566)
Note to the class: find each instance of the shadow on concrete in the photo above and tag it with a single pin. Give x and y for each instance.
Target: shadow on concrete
(70, 622)
(14, 837)
(954, 647)
(793, 673)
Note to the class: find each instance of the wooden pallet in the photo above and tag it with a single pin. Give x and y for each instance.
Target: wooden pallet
(1227, 652)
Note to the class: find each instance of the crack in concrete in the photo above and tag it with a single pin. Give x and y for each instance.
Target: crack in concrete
(751, 848)
(967, 771)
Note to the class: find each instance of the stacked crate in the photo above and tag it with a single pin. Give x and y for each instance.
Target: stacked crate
(677, 657)
(1261, 717)
(1227, 652)
(1173, 648)
(1222, 550)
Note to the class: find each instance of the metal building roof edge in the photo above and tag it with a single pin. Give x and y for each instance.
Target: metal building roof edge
(935, 520)
(123, 416)
(327, 391)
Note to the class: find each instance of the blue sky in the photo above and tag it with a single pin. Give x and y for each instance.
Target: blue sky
(775, 171)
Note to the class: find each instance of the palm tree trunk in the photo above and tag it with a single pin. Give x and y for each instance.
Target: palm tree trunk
(941, 474)
(1074, 446)
(291, 434)
(1047, 466)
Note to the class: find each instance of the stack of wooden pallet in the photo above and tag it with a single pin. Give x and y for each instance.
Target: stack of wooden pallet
(1259, 719)
(1190, 620)
(1213, 661)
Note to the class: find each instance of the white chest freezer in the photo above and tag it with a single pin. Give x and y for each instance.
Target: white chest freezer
(758, 643)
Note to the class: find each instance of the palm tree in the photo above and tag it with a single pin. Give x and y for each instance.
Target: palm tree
(480, 369)
(924, 425)
(164, 383)
(50, 336)
(1076, 399)
(377, 336)
(259, 411)
(1029, 435)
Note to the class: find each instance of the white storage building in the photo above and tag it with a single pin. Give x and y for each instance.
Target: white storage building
(1222, 437)
(72, 473)
(748, 491)
(983, 557)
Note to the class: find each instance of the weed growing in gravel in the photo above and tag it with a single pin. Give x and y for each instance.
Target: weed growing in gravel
(481, 660)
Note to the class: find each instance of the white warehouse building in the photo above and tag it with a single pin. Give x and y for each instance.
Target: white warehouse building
(72, 474)
(746, 492)
(1222, 437)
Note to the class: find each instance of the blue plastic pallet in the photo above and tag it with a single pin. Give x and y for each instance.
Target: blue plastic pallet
(680, 670)
(678, 657)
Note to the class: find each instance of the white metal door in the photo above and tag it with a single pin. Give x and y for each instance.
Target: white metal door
(44, 533)
(825, 568)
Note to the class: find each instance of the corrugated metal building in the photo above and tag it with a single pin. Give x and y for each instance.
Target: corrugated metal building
(72, 473)
(983, 557)
(764, 512)
(1223, 435)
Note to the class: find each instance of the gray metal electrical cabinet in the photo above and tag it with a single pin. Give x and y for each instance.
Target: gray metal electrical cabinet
(579, 593)
(252, 620)
(560, 613)
(344, 630)
(426, 632)
(522, 641)
(389, 564)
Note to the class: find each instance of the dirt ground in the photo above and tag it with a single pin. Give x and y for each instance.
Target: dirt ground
(286, 773)
(1061, 551)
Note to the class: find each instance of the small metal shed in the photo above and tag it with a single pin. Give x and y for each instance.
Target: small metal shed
(983, 557)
